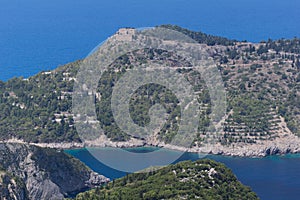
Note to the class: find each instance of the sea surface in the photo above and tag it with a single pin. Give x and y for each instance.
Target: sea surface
(40, 35)
(272, 178)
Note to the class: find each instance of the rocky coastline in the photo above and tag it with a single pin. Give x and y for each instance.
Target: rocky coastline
(31, 172)
(289, 144)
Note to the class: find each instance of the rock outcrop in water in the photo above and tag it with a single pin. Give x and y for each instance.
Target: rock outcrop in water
(31, 172)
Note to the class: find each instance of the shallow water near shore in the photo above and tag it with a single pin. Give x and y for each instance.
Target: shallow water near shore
(272, 177)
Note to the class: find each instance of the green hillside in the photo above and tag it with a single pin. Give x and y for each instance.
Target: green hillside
(203, 179)
(262, 82)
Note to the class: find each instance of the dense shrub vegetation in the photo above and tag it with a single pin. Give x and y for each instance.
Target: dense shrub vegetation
(203, 179)
(262, 82)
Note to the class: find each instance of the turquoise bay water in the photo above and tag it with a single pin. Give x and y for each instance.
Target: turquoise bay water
(40, 35)
(272, 178)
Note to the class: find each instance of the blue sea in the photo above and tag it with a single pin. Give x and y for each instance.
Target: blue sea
(40, 35)
(272, 178)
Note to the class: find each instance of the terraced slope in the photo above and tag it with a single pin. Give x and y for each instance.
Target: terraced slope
(262, 82)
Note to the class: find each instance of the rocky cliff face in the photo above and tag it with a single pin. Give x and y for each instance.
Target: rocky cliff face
(30, 172)
(11, 187)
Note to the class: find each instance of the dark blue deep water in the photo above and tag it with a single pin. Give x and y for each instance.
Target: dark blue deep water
(272, 178)
(39, 35)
